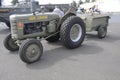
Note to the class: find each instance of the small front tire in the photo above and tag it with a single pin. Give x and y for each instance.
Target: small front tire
(10, 44)
(31, 51)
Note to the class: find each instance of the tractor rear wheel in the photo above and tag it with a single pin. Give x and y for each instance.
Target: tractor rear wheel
(72, 32)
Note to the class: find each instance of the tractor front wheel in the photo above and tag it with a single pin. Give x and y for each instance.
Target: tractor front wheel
(10, 44)
(31, 51)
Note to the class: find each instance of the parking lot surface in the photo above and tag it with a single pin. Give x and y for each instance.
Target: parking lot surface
(96, 59)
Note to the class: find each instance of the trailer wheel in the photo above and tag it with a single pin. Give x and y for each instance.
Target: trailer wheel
(72, 32)
(31, 51)
(102, 31)
(53, 38)
(10, 44)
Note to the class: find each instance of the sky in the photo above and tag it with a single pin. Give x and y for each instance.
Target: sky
(110, 6)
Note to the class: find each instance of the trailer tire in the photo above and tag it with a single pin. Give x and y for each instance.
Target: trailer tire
(30, 51)
(72, 24)
(102, 31)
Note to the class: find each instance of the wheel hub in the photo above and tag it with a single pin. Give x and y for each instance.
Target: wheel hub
(12, 43)
(102, 31)
(75, 32)
(32, 52)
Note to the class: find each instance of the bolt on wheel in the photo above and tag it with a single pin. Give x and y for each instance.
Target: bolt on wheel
(75, 32)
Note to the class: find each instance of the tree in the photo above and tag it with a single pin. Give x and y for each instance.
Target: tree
(80, 2)
(74, 4)
(87, 1)
(14, 2)
(93, 0)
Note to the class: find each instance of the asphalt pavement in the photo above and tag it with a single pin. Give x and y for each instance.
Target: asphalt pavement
(96, 59)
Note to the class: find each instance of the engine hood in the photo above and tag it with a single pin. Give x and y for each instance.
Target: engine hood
(36, 17)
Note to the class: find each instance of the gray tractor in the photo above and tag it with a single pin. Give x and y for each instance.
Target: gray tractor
(27, 31)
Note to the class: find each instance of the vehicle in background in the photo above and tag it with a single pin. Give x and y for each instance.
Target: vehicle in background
(25, 8)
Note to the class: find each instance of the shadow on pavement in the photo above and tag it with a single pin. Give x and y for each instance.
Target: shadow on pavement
(108, 39)
(51, 57)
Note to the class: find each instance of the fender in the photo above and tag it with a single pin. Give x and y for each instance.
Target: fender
(65, 17)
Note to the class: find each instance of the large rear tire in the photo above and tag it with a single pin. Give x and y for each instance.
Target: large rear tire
(72, 32)
(31, 51)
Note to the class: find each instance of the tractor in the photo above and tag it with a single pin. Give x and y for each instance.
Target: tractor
(27, 31)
